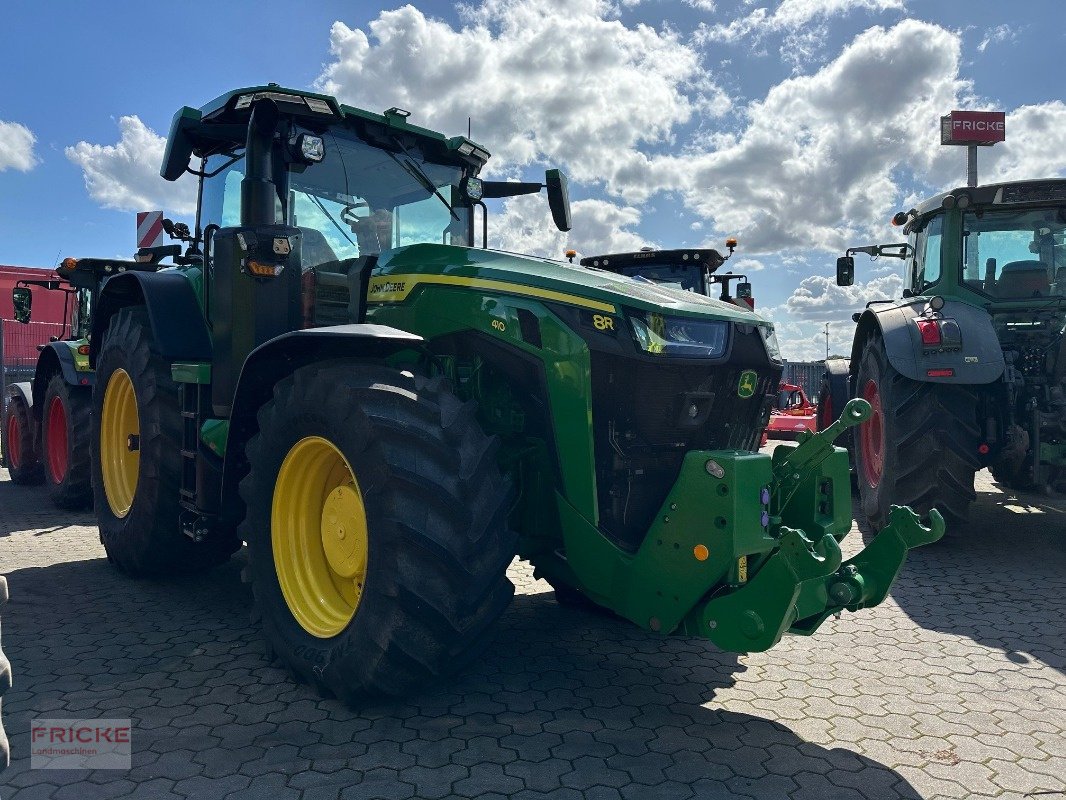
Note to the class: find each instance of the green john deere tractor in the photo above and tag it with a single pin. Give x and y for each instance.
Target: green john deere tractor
(387, 414)
(968, 368)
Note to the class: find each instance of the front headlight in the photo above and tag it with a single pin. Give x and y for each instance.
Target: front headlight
(769, 339)
(679, 336)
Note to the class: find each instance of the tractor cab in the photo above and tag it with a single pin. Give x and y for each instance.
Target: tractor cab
(689, 270)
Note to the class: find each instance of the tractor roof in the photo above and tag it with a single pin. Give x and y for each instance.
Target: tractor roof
(617, 262)
(222, 124)
(1041, 191)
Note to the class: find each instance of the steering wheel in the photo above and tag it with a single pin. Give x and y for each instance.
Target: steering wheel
(349, 216)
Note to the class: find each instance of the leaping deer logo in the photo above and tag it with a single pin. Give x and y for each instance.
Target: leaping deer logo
(746, 386)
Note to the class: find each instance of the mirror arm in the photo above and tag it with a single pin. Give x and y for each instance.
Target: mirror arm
(484, 223)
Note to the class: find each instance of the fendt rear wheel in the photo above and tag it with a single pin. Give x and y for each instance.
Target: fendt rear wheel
(65, 443)
(136, 457)
(20, 449)
(377, 529)
(919, 447)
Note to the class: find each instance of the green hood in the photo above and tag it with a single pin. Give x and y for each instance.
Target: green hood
(560, 278)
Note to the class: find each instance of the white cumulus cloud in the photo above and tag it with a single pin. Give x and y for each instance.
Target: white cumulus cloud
(790, 15)
(820, 159)
(125, 175)
(545, 81)
(599, 226)
(16, 147)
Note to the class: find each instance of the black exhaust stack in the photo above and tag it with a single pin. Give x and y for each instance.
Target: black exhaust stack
(255, 268)
(258, 191)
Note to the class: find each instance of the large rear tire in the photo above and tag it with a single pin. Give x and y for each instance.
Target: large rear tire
(136, 458)
(920, 446)
(65, 443)
(377, 529)
(20, 446)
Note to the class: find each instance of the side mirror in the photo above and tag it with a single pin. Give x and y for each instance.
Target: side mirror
(22, 302)
(558, 198)
(845, 271)
(179, 144)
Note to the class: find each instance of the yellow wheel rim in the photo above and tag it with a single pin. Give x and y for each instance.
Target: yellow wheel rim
(120, 434)
(318, 533)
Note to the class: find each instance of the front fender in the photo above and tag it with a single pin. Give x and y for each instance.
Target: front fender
(281, 356)
(979, 361)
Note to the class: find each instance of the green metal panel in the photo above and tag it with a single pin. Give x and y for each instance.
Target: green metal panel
(191, 373)
(440, 310)
(704, 526)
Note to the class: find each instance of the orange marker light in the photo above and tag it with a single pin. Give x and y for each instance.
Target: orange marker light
(731, 242)
(69, 263)
(701, 552)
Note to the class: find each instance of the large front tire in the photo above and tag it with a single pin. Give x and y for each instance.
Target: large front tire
(65, 443)
(136, 459)
(20, 445)
(377, 529)
(919, 448)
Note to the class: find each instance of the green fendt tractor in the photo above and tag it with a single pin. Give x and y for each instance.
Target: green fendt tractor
(48, 440)
(387, 414)
(967, 369)
(692, 270)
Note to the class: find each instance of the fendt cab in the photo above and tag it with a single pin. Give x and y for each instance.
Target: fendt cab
(387, 414)
(967, 369)
(688, 269)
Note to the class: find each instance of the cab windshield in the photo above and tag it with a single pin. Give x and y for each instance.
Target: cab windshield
(680, 276)
(358, 201)
(1015, 254)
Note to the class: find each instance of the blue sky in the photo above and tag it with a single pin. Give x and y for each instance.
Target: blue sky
(796, 127)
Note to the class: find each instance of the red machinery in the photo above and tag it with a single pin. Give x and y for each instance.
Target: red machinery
(794, 413)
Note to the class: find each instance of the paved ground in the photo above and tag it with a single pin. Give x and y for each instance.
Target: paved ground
(955, 687)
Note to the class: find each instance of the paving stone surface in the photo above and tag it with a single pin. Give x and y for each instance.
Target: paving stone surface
(954, 688)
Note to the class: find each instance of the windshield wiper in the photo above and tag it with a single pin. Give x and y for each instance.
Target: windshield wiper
(318, 202)
(411, 168)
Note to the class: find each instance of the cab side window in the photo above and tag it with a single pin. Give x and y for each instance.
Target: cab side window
(927, 254)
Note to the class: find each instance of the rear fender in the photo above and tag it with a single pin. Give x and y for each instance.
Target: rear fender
(22, 390)
(177, 321)
(279, 357)
(979, 361)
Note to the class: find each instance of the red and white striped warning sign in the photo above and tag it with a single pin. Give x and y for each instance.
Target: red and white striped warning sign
(149, 228)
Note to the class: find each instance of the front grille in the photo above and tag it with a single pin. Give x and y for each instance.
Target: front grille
(647, 414)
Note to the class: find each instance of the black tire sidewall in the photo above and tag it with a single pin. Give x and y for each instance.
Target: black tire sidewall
(75, 490)
(57, 387)
(874, 366)
(148, 540)
(29, 470)
(307, 654)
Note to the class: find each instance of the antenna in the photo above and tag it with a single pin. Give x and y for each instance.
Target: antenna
(468, 128)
